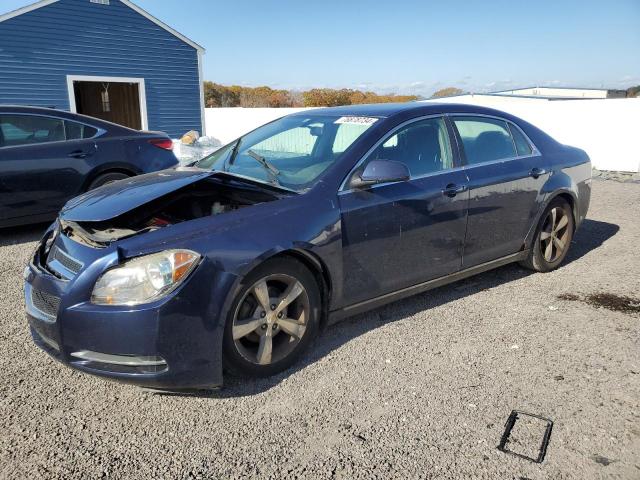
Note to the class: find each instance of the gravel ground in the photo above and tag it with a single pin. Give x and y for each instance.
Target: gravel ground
(417, 389)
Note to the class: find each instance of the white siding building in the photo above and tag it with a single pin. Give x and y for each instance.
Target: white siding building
(564, 92)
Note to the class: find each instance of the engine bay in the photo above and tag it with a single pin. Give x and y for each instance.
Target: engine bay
(208, 197)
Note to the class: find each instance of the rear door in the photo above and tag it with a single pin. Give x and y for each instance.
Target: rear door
(400, 234)
(506, 174)
(43, 162)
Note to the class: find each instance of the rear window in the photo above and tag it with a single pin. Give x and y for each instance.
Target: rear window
(522, 144)
(485, 139)
(29, 129)
(16, 130)
(78, 131)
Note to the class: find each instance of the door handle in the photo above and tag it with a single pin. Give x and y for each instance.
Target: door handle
(79, 154)
(536, 172)
(453, 189)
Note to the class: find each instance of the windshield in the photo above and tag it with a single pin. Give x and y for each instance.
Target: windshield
(291, 152)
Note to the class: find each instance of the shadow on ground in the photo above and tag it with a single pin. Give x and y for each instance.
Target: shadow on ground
(22, 234)
(591, 235)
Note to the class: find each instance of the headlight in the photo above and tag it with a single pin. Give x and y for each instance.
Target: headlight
(144, 279)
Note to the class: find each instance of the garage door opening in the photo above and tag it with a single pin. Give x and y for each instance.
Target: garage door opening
(112, 99)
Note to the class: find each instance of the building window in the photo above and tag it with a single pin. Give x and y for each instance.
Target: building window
(100, 2)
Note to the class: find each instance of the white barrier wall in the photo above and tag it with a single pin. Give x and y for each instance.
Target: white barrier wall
(608, 130)
(227, 124)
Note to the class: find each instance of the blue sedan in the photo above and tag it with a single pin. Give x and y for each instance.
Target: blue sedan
(48, 156)
(236, 263)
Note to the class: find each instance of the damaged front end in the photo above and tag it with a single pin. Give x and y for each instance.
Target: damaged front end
(208, 195)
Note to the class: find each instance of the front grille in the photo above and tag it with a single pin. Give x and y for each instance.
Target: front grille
(45, 303)
(68, 262)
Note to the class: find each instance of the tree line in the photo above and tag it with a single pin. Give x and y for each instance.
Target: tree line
(216, 95)
(633, 92)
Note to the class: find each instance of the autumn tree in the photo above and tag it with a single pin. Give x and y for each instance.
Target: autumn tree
(327, 97)
(217, 95)
(633, 92)
(447, 92)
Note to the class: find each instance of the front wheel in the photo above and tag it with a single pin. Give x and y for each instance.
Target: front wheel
(274, 318)
(553, 237)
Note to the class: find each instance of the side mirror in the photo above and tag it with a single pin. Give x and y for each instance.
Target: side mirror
(380, 171)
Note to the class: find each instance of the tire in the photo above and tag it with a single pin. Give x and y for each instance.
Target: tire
(270, 348)
(105, 178)
(552, 240)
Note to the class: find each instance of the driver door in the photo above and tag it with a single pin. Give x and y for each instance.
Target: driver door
(399, 234)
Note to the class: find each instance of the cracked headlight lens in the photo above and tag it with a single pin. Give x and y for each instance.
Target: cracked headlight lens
(144, 279)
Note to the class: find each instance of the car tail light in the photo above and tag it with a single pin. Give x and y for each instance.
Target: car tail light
(164, 143)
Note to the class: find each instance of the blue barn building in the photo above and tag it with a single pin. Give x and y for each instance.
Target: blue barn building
(105, 58)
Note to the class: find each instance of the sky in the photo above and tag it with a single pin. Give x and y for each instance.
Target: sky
(409, 46)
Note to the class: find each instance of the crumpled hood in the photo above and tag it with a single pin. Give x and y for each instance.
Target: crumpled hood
(114, 199)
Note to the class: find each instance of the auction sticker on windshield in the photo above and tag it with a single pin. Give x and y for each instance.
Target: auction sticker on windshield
(357, 120)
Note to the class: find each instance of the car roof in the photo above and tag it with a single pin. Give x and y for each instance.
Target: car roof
(27, 109)
(390, 109)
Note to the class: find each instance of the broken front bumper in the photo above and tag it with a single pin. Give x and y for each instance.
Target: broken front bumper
(173, 343)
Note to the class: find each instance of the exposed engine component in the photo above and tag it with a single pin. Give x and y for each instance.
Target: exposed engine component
(205, 198)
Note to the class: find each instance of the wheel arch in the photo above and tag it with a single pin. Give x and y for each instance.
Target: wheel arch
(312, 262)
(104, 169)
(565, 193)
(319, 270)
(571, 200)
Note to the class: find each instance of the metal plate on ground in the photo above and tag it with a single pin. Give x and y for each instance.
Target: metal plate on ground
(526, 435)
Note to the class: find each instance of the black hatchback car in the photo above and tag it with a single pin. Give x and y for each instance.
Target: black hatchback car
(48, 156)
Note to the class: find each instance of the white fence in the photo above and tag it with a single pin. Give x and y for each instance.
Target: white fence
(227, 124)
(606, 129)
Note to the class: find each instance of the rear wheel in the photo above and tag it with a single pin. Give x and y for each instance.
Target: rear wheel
(105, 178)
(553, 237)
(273, 320)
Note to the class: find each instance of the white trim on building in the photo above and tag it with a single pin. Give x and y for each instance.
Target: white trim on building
(161, 24)
(202, 115)
(28, 8)
(556, 92)
(88, 78)
(128, 3)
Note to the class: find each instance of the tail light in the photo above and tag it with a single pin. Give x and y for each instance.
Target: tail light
(164, 143)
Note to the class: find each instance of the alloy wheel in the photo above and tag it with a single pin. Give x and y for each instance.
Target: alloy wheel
(271, 319)
(555, 235)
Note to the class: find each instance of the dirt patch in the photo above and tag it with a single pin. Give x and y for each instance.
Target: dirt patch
(571, 297)
(610, 301)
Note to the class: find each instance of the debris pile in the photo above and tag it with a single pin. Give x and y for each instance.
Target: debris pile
(192, 147)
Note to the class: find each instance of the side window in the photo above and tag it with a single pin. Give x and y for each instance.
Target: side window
(29, 129)
(484, 139)
(78, 131)
(522, 144)
(423, 146)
